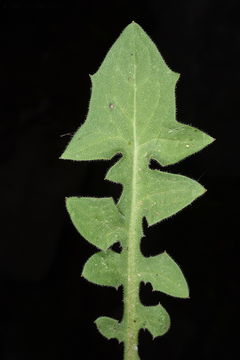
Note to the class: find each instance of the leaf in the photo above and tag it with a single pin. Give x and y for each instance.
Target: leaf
(132, 112)
(155, 319)
(108, 266)
(164, 194)
(97, 220)
(134, 86)
(110, 328)
(164, 275)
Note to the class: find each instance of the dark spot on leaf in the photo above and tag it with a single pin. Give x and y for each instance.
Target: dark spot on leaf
(111, 106)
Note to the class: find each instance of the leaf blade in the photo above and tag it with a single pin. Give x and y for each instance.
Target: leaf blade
(110, 328)
(98, 220)
(108, 265)
(155, 319)
(164, 274)
(132, 112)
(166, 194)
(111, 105)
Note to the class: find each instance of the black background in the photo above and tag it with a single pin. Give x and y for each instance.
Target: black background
(47, 51)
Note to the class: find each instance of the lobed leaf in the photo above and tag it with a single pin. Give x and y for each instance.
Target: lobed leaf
(108, 127)
(132, 112)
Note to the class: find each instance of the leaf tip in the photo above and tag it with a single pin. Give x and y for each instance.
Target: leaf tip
(211, 139)
(176, 75)
(61, 157)
(199, 190)
(64, 155)
(133, 24)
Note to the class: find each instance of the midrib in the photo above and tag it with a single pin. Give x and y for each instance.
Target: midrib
(132, 284)
(132, 223)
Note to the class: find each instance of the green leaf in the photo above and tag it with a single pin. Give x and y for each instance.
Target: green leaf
(97, 220)
(164, 194)
(132, 112)
(110, 328)
(185, 139)
(164, 275)
(108, 266)
(154, 318)
(134, 85)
